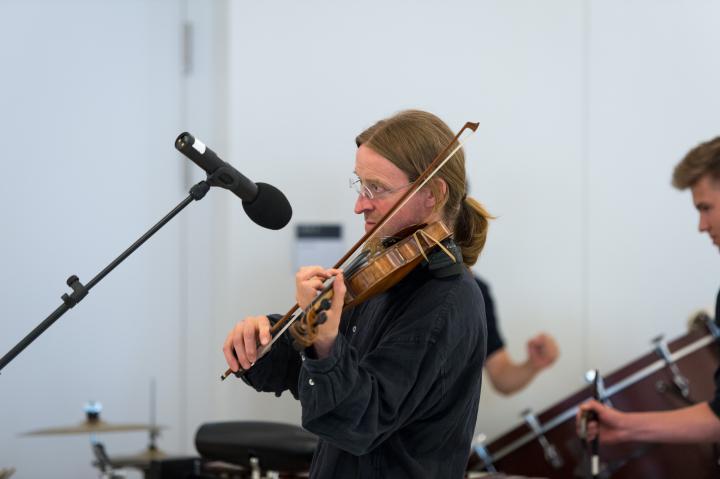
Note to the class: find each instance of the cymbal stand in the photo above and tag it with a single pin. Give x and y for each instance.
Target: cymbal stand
(102, 461)
(154, 431)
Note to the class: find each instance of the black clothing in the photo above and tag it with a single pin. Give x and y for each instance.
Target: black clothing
(494, 338)
(715, 402)
(398, 394)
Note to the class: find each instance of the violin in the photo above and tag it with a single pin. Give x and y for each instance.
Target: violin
(376, 268)
(371, 274)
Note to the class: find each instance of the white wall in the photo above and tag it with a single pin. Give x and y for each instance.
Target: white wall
(204, 98)
(584, 109)
(89, 110)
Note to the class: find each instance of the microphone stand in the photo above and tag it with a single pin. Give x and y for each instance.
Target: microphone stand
(197, 192)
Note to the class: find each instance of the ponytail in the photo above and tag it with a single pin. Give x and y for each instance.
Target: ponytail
(471, 228)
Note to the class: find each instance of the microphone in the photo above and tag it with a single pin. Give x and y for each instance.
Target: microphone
(264, 204)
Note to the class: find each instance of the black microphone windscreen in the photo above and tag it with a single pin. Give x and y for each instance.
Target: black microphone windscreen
(270, 208)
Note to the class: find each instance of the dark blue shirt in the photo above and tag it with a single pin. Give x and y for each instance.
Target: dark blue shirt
(398, 395)
(494, 337)
(715, 402)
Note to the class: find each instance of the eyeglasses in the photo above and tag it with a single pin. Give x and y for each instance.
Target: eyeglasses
(372, 190)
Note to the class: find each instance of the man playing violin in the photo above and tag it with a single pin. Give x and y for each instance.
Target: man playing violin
(391, 386)
(699, 171)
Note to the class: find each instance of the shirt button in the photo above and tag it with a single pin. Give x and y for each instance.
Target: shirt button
(354, 330)
(311, 382)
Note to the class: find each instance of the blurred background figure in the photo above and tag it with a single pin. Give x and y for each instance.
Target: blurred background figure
(506, 375)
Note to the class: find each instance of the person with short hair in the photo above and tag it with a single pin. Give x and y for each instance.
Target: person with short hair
(699, 171)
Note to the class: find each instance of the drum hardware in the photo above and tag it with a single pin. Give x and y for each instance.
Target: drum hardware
(550, 451)
(631, 388)
(478, 445)
(526, 438)
(143, 459)
(93, 425)
(102, 462)
(608, 393)
(680, 381)
(703, 320)
(254, 468)
(658, 365)
(712, 326)
(256, 471)
(664, 388)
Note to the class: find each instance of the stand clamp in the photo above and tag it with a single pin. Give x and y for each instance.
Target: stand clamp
(79, 292)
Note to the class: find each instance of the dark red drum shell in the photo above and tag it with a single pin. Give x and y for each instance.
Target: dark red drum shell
(627, 460)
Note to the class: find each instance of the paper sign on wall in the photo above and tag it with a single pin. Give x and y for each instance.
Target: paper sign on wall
(318, 244)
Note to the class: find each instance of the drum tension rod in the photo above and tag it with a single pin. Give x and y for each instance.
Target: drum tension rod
(478, 445)
(680, 381)
(551, 454)
(711, 325)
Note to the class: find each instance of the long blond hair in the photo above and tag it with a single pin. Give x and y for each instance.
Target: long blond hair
(410, 140)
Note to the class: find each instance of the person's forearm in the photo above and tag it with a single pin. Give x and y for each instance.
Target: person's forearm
(510, 377)
(691, 424)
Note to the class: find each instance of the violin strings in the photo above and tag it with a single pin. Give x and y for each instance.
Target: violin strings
(427, 236)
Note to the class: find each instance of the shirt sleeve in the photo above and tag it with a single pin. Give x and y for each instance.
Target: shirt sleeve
(715, 402)
(494, 337)
(278, 370)
(356, 403)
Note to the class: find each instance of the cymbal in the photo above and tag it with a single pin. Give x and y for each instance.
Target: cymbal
(141, 460)
(92, 426)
